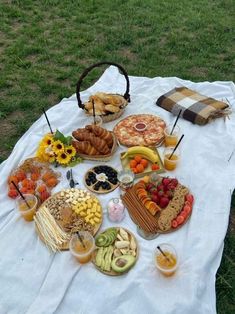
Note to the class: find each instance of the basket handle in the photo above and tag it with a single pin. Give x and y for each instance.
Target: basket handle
(87, 70)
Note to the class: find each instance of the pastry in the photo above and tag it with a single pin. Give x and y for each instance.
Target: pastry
(101, 133)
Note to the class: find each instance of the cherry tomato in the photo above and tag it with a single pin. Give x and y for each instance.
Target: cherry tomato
(180, 219)
(174, 224)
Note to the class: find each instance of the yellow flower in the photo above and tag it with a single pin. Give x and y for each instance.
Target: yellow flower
(52, 159)
(63, 158)
(47, 140)
(58, 147)
(70, 150)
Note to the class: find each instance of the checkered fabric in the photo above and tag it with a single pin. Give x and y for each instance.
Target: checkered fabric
(197, 108)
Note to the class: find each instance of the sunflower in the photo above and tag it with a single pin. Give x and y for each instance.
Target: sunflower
(58, 147)
(47, 140)
(63, 158)
(70, 150)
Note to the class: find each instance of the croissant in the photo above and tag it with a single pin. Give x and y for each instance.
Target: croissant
(112, 99)
(85, 148)
(98, 104)
(95, 141)
(101, 133)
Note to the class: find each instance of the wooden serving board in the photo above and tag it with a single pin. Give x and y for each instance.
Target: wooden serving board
(143, 213)
(147, 171)
(113, 273)
(65, 246)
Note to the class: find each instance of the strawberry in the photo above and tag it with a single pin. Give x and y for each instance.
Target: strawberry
(149, 186)
(174, 182)
(154, 191)
(166, 181)
(169, 194)
(160, 187)
(189, 198)
(160, 194)
(154, 198)
(171, 187)
(164, 202)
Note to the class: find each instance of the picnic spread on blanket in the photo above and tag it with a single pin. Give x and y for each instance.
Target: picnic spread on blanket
(117, 199)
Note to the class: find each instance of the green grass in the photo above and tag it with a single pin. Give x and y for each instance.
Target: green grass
(45, 46)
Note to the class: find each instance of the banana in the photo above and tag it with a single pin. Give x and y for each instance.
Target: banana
(143, 151)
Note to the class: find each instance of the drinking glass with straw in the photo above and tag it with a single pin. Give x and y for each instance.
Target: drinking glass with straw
(172, 156)
(26, 203)
(81, 246)
(166, 259)
(172, 132)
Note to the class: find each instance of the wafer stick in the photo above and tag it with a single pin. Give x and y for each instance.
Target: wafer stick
(138, 218)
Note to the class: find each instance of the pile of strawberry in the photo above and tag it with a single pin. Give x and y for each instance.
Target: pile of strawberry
(162, 193)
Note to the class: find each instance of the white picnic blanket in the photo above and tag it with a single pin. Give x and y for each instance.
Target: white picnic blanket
(35, 281)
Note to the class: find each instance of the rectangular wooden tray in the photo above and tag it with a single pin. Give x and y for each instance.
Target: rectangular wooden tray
(148, 170)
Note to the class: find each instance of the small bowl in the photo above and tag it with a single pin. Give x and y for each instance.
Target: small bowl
(140, 126)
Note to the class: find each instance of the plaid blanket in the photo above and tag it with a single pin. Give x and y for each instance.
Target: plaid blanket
(195, 107)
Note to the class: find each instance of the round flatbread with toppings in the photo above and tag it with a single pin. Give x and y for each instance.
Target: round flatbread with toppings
(128, 134)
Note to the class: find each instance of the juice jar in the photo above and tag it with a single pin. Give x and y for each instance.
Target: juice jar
(82, 251)
(171, 139)
(27, 211)
(168, 262)
(171, 163)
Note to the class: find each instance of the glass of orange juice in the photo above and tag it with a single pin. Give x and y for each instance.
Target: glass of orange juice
(168, 262)
(171, 163)
(27, 212)
(171, 139)
(82, 251)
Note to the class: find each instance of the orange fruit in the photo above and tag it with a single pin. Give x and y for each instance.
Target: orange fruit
(35, 176)
(24, 190)
(138, 158)
(133, 163)
(51, 182)
(25, 183)
(41, 188)
(134, 170)
(140, 168)
(144, 162)
(13, 178)
(155, 167)
(20, 175)
(12, 193)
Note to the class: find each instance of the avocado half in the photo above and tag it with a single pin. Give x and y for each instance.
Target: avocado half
(123, 263)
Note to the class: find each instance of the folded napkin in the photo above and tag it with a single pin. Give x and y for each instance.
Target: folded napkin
(197, 108)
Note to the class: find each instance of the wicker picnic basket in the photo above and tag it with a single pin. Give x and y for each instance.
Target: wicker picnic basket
(109, 116)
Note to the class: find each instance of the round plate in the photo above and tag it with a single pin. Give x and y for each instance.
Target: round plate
(132, 202)
(99, 177)
(113, 273)
(151, 136)
(54, 197)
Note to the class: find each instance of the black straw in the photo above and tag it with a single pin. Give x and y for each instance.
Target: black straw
(158, 247)
(176, 121)
(47, 120)
(20, 194)
(93, 106)
(80, 239)
(176, 146)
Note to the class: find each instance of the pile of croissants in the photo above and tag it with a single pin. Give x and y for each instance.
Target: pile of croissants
(93, 140)
(105, 103)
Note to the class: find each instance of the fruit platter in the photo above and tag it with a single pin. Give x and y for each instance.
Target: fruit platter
(65, 213)
(101, 179)
(142, 161)
(116, 252)
(33, 177)
(94, 143)
(141, 130)
(159, 206)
